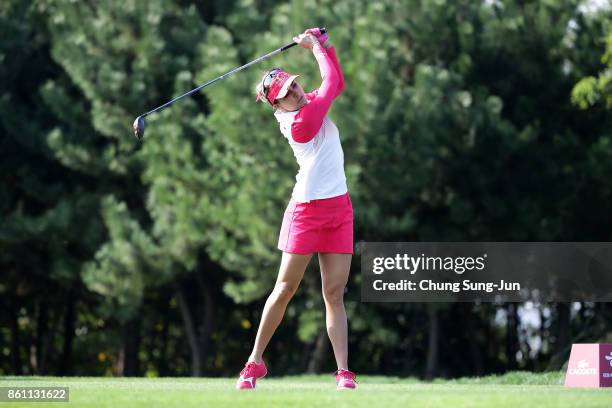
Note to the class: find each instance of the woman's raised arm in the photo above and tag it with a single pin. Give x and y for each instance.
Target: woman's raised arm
(331, 52)
(310, 118)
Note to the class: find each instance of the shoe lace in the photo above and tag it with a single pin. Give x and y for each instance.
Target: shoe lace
(248, 368)
(346, 374)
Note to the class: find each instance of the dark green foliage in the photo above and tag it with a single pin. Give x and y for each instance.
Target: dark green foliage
(155, 257)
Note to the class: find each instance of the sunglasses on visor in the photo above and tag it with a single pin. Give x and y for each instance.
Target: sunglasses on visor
(268, 79)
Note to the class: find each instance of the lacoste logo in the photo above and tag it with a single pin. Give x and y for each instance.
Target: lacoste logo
(609, 358)
(583, 368)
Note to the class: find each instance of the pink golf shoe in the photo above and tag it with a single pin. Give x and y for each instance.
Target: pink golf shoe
(345, 380)
(250, 374)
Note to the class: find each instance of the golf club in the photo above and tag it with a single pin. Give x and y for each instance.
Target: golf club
(139, 123)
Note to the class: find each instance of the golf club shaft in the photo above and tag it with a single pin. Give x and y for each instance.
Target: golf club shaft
(281, 49)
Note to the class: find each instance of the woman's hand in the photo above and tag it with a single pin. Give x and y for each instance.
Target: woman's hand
(323, 38)
(306, 40)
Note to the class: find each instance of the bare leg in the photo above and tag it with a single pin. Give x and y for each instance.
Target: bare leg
(289, 277)
(334, 276)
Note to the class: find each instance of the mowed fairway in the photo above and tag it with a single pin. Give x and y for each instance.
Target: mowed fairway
(510, 390)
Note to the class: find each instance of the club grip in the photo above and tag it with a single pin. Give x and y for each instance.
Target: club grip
(286, 47)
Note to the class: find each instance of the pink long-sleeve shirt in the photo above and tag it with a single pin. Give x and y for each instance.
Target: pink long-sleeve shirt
(310, 118)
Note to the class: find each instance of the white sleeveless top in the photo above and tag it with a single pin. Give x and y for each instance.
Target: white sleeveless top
(321, 161)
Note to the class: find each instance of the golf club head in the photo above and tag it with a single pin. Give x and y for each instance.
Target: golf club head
(139, 127)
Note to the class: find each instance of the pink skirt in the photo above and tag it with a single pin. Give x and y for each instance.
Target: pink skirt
(324, 225)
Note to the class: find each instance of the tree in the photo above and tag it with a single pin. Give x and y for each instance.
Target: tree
(592, 89)
(43, 244)
(154, 257)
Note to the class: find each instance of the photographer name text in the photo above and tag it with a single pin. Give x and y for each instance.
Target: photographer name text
(455, 287)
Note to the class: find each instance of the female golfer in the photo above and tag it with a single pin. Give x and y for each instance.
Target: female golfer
(319, 217)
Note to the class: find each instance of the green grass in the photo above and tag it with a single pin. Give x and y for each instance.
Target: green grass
(517, 389)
